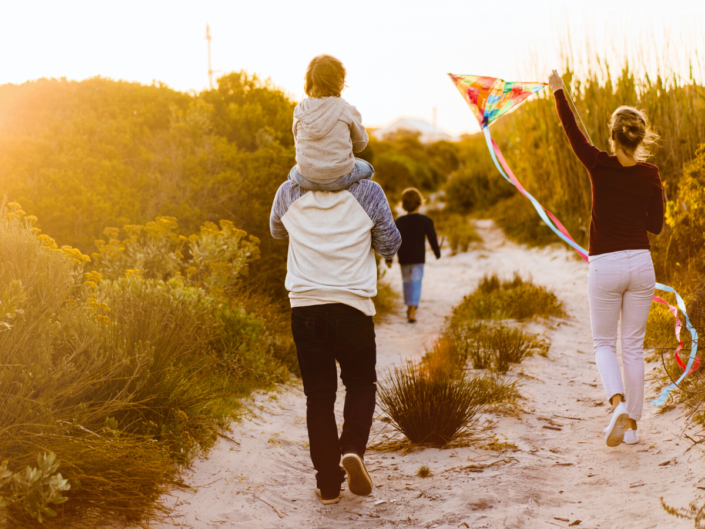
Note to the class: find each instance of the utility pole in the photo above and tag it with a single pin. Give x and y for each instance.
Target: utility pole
(210, 70)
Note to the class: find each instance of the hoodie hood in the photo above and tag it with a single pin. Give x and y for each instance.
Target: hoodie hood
(318, 116)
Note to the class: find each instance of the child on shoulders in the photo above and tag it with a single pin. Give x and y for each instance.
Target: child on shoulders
(327, 131)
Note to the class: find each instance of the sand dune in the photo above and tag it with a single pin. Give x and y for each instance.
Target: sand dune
(263, 478)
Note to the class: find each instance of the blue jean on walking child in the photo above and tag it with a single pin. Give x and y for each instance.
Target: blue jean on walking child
(411, 277)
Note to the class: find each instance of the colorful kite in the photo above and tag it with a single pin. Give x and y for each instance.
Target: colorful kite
(489, 98)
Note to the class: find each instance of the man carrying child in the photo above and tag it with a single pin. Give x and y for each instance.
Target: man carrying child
(335, 218)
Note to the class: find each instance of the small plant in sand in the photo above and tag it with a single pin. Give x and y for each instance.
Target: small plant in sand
(496, 347)
(513, 299)
(433, 409)
(385, 300)
(423, 471)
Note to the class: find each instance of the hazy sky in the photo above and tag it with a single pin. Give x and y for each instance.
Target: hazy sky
(396, 52)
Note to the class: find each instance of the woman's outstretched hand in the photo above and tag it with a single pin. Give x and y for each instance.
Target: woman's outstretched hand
(555, 82)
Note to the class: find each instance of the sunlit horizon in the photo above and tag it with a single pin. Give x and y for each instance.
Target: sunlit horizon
(397, 54)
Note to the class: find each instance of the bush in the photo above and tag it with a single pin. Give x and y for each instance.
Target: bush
(473, 189)
(433, 403)
(516, 299)
(385, 301)
(496, 347)
(116, 379)
(429, 410)
(457, 229)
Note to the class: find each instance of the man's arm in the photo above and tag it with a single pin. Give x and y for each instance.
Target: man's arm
(386, 238)
(279, 208)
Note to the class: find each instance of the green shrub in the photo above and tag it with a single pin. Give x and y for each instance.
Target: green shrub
(516, 299)
(456, 229)
(117, 378)
(386, 300)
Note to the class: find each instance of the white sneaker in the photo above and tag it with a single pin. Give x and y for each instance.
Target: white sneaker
(631, 437)
(614, 433)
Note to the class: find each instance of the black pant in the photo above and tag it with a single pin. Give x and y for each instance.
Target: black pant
(324, 334)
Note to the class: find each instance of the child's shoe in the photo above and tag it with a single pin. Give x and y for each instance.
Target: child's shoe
(412, 314)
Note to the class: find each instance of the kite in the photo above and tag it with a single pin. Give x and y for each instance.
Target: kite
(489, 98)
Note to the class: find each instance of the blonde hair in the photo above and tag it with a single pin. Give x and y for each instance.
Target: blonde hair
(411, 199)
(631, 129)
(325, 76)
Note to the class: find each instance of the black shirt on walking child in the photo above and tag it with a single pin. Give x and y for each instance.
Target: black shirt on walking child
(414, 228)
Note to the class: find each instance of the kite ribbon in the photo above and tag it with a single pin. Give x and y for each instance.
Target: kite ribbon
(560, 230)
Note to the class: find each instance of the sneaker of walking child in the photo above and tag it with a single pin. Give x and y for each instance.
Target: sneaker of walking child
(328, 131)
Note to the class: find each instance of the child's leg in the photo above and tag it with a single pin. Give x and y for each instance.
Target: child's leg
(416, 279)
(406, 271)
(361, 171)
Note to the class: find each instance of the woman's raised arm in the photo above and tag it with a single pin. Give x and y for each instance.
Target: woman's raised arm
(584, 150)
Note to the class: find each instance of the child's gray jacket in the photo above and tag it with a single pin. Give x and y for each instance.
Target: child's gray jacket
(327, 131)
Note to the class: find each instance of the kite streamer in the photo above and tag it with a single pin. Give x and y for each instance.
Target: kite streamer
(489, 98)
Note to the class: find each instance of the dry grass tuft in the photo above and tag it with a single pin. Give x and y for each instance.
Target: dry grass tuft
(496, 347)
(428, 410)
(512, 299)
(424, 471)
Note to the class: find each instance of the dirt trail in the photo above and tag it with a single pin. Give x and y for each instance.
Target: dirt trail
(263, 478)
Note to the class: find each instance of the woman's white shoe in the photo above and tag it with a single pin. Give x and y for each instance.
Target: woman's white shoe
(614, 433)
(631, 437)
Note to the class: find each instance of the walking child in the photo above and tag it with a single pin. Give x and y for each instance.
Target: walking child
(627, 201)
(335, 219)
(415, 228)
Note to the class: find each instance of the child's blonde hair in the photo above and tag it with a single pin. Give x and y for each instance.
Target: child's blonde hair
(631, 129)
(325, 76)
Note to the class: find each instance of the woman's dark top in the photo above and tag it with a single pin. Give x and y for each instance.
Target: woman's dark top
(626, 201)
(414, 229)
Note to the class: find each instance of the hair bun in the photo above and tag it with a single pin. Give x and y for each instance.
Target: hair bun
(630, 130)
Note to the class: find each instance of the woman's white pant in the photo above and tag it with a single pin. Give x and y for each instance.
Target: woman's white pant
(621, 282)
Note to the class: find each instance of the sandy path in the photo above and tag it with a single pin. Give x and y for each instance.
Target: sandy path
(264, 478)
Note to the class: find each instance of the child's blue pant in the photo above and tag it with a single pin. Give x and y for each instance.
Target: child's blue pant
(411, 277)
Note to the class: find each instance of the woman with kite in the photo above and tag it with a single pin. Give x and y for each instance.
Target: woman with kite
(627, 201)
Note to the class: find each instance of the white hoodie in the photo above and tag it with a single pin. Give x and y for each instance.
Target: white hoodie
(327, 131)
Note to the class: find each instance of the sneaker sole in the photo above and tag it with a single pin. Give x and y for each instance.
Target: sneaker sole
(616, 436)
(359, 482)
(327, 502)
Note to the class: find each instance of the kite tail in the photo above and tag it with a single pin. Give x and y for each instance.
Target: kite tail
(560, 230)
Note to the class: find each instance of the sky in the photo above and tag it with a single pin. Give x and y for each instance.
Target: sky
(397, 53)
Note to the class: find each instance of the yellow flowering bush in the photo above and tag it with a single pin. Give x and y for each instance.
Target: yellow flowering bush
(121, 371)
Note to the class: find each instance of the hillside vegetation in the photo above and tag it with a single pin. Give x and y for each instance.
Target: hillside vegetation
(141, 295)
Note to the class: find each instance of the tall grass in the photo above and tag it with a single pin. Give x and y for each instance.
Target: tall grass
(537, 150)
